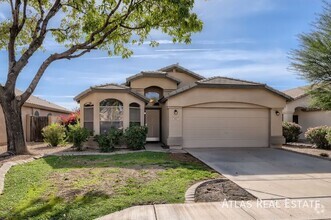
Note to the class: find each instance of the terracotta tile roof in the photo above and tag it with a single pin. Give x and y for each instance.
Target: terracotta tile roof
(157, 73)
(111, 87)
(182, 69)
(34, 101)
(225, 82)
(220, 80)
(297, 92)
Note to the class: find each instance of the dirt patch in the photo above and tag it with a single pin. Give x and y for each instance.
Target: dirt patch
(107, 181)
(183, 157)
(219, 190)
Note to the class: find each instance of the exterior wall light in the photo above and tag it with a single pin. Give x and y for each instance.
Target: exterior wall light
(175, 112)
(277, 113)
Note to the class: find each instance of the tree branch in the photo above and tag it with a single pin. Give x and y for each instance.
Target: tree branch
(33, 47)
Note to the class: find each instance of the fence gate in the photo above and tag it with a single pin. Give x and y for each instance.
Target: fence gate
(36, 125)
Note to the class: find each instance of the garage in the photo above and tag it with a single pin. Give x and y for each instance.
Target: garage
(225, 127)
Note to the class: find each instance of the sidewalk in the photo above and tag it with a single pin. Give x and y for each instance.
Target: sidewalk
(273, 209)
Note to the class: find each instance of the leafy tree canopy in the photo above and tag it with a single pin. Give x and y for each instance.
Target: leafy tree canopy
(313, 59)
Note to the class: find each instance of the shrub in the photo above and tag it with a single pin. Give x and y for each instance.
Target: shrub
(78, 135)
(328, 136)
(105, 143)
(108, 141)
(318, 135)
(135, 137)
(291, 131)
(54, 134)
(115, 135)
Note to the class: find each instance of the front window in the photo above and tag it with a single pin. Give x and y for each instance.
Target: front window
(88, 116)
(111, 115)
(134, 114)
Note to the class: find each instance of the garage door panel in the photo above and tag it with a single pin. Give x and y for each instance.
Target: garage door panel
(219, 127)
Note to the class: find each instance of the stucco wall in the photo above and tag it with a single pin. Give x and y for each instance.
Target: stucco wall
(183, 77)
(225, 98)
(26, 111)
(96, 97)
(141, 83)
(312, 119)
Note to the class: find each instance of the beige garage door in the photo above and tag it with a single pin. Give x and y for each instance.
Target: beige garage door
(224, 127)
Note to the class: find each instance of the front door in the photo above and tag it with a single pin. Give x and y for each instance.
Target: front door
(153, 124)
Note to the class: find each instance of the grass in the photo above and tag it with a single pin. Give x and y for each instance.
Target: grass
(86, 187)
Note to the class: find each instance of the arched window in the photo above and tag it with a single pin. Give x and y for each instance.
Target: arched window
(49, 114)
(111, 114)
(36, 114)
(153, 93)
(88, 116)
(134, 114)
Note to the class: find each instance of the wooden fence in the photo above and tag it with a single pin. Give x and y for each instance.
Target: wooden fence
(36, 125)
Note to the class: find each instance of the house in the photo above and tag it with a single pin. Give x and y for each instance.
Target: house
(299, 111)
(34, 106)
(183, 109)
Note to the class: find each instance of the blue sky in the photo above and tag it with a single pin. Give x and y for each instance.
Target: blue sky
(246, 39)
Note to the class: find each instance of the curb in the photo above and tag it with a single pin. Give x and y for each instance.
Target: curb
(309, 155)
(190, 193)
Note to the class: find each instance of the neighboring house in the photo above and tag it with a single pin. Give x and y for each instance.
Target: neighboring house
(34, 106)
(185, 110)
(299, 111)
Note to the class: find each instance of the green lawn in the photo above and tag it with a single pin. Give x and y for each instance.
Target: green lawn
(86, 187)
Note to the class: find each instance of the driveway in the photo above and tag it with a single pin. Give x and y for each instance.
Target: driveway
(270, 173)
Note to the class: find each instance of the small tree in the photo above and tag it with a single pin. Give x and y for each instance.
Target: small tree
(81, 26)
(312, 59)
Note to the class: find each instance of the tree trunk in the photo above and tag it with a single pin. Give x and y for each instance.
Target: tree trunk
(14, 127)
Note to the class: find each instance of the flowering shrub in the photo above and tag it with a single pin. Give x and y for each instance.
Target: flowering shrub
(328, 136)
(71, 119)
(291, 131)
(318, 136)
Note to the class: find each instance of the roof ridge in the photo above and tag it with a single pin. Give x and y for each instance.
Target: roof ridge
(183, 68)
(230, 78)
(110, 84)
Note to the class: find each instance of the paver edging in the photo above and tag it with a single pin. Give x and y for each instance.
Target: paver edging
(7, 165)
(190, 193)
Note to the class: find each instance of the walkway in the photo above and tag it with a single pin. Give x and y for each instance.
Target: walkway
(272, 209)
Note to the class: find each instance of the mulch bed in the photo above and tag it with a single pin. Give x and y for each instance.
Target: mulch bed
(220, 190)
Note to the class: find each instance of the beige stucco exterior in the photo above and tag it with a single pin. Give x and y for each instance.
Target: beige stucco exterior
(306, 118)
(224, 99)
(27, 111)
(96, 97)
(188, 99)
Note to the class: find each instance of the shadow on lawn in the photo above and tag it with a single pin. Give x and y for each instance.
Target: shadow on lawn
(55, 207)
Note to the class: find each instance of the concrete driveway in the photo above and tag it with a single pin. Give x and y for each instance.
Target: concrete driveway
(270, 173)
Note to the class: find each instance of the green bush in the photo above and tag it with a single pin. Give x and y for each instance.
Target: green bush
(135, 137)
(328, 136)
(108, 141)
(291, 131)
(78, 135)
(115, 135)
(105, 143)
(54, 134)
(317, 136)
